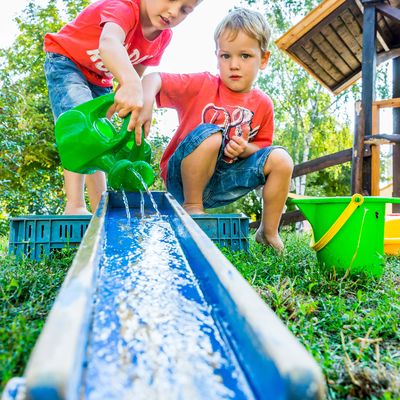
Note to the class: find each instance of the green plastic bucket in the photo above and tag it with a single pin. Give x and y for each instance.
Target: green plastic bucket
(358, 243)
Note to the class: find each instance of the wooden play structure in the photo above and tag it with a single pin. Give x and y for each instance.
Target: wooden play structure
(337, 42)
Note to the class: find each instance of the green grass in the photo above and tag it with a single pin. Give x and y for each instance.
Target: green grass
(350, 324)
(27, 292)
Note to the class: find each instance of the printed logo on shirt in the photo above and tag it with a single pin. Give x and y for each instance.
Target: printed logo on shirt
(237, 122)
(95, 57)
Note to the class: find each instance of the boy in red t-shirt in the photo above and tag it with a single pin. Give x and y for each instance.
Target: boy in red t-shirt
(222, 147)
(108, 39)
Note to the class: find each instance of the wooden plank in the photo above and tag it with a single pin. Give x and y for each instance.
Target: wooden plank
(385, 30)
(314, 66)
(286, 219)
(308, 69)
(346, 84)
(390, 12)
(322, 162)
(382, 34)
(389, 55)
(382, 138)
(325, 46)
(308, 22)
(307, 36)
(381, 43)
(336, 35)
(352, 31)
(388, 103)
(291, 217)
(375, 156)
(323, 61)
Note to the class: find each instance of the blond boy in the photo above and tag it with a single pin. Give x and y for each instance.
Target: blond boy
(222, 148)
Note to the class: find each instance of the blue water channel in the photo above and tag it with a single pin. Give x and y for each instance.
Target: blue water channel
(153, 333)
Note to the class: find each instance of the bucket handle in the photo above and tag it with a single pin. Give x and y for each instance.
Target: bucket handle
(356, 201)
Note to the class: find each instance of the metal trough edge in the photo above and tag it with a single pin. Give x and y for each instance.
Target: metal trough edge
(53, 371)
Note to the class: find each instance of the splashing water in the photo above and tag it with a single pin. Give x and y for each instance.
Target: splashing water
(153, 202)
(128, 214)
(141, 204)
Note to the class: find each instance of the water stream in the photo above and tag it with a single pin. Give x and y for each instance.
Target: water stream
(153, 334)
(126, 204)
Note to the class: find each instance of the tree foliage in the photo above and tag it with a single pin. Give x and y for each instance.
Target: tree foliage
(30, 175)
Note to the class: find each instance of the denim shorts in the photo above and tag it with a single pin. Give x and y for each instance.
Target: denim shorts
(229, 182)
(67, 85)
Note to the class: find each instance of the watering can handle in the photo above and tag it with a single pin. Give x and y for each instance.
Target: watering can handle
(98, 109)
(356, 201)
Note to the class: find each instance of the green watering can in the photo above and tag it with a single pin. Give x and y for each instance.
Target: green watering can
(87, 142)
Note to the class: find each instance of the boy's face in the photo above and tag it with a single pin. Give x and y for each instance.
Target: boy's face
(164, 14)
(239, 60)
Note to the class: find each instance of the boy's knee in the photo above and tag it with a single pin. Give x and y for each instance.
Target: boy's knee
(279, 160)
(211, 144)
(214, 141)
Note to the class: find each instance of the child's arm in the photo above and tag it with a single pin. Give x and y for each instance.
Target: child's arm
(129, 96)
(151, 86)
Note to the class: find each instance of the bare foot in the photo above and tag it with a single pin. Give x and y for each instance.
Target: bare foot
(76, 211)
(273, 241)
(193, 209)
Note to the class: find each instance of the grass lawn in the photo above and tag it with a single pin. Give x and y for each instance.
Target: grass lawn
(349, 324)
(27, 292)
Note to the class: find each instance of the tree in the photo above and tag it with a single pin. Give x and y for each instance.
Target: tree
(310, 121)
(30, 175)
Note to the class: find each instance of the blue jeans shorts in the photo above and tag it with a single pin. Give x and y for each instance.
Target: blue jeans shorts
(67, 86)
(229, 182)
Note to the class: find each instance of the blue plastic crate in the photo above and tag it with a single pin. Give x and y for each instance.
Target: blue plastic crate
(35, 236)
(228, 230)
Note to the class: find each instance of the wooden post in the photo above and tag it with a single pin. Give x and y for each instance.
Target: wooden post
(396, 130)
(368, 83)
(358, 144)
(375, 154)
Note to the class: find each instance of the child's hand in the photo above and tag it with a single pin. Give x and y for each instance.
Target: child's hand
(144, 120)
(235, 147)
(128, 99)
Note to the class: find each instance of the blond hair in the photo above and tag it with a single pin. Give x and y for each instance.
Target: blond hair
(248, 21)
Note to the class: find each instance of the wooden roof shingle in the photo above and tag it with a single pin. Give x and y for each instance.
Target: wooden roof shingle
(328, 41)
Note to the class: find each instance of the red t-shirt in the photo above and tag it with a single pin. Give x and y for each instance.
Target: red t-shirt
(79, 39)
(203, 98)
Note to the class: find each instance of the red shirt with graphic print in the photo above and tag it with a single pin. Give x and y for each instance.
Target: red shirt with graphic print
(203, 98)
(79, 39)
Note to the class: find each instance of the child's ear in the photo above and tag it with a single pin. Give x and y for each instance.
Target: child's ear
(264, 60)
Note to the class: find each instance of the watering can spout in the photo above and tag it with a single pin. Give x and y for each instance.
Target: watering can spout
(87, 142)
